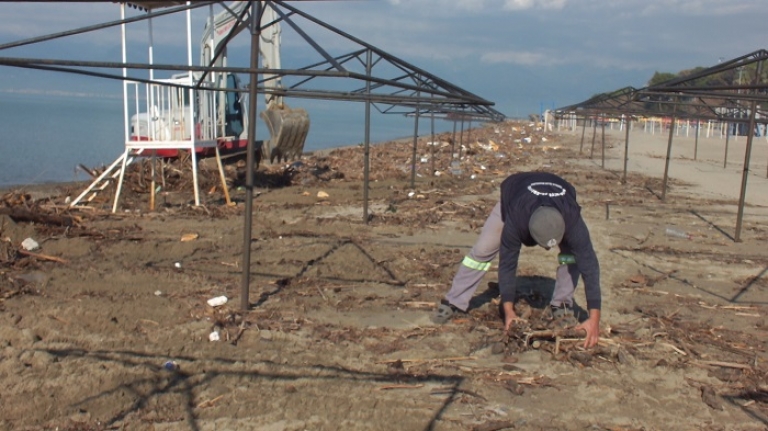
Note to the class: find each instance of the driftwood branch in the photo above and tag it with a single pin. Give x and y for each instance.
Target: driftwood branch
(42, 256)
(18, 214)
(494, 426)
(554, 334)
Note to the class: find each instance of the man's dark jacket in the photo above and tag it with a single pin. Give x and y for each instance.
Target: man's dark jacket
(521, 194)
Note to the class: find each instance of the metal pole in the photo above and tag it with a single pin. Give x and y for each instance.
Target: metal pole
(747, 156)
(432, 132)
(602, 163)
(727, 137)
(696, 142)
(461, 136)
(669, 154)
(626, 148)
(415, 141)
(453, 139)
(469, 131)
(583, 131)
(745, 169)
(594, 136)
(249, 162)
(367, 142)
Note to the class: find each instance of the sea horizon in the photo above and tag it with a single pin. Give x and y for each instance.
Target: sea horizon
(49, 135)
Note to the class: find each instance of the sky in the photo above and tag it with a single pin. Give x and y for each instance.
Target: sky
(523, 55)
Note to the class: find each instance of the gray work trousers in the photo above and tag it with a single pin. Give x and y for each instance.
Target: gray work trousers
(475, 265)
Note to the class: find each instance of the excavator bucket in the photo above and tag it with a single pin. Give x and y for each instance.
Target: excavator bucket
(288, 130)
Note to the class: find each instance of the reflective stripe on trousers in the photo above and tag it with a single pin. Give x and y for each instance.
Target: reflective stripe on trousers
(477, 266)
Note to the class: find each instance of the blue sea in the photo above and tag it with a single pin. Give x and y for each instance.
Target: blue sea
(44, 137)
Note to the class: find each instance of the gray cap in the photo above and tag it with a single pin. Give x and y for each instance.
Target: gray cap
(547, 226)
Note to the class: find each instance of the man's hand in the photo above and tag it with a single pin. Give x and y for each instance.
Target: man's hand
(509, 315)
(592, 326)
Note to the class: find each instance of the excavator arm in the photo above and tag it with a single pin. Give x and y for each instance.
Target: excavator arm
(288, 127)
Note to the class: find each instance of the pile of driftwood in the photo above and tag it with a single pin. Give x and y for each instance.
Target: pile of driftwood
(19, 207)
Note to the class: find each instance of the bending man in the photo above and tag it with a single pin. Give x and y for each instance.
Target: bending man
(536, 208)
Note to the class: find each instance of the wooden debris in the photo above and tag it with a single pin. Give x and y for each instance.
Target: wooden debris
(42, 256)
(419, 304)
(514, 387)
(189, 237)
(388, 387)
(725, 364)
(453, 359)
(553, 334)
(494, 426)
(240, 330)
(710, 398)
(662, 277)
(24, 215)
(209, 403)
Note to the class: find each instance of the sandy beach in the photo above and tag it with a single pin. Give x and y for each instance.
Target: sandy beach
(338, 336)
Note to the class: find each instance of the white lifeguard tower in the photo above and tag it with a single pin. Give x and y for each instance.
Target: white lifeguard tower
(164, 115)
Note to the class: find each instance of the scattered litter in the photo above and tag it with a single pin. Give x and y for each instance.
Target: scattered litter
(456, 168)
(676, 233)
(214, 336)
(189, 237)
(217, 301)
(322, 195)
(30, 244)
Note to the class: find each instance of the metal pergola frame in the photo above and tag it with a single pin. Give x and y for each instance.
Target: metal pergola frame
(413, 90)
(693, 96)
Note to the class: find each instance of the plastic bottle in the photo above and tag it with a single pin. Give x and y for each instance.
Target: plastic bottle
(677, 233)
(456, 167)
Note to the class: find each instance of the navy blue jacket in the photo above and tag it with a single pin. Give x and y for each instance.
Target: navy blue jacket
(521, 194)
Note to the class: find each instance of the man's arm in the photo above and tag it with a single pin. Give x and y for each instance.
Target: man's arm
(586, 261)
(592, 327)
(509, 253)
(589, 267)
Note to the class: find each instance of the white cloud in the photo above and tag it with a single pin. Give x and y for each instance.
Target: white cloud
(530, 4)
(693, 7)
(633, 7)
(523, 58)
(456, 7)
(538, 59)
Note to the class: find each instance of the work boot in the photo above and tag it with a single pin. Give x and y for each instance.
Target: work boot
(445, 312)
(562, 316)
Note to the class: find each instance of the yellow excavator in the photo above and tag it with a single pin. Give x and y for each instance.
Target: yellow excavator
(288, 128)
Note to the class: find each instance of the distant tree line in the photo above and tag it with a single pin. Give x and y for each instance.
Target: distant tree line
(738, 76)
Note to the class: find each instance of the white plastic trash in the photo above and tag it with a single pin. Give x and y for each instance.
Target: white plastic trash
(456, 168)
(217, 301)
(677, 233)
(214, 336)
(30, 244)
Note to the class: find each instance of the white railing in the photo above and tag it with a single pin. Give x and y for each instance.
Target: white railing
(163, 115)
